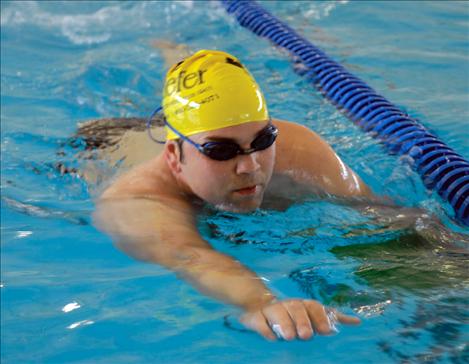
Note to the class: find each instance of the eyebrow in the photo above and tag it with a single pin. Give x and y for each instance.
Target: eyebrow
(231, 140)
(220, 139)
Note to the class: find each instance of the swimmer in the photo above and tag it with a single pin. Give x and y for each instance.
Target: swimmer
(171, 52)
(223, 149)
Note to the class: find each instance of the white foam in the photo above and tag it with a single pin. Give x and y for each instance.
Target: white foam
(89, 28)
(322, 10)
(23, 234)
(80, 323)
(70, 307)
(373, 310)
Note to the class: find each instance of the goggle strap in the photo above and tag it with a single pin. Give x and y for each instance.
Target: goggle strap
(156, 111)
(183, 137)
(199, 147)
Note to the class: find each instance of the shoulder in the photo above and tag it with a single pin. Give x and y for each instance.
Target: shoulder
(297, 142)
(288, 128)
(294, 137)
(308, 159)
(148, 179)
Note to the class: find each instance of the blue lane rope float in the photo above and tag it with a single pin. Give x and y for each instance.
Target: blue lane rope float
(439, 166)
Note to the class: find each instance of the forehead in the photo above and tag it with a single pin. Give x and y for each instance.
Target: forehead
(243, 132)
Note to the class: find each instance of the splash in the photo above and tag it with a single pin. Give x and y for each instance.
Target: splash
(79, 29)
(97, 27)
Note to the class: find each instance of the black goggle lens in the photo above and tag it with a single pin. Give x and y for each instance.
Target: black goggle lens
(265, 139)
(222, 151)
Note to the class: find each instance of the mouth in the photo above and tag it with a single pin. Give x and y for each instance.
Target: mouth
(248, 191)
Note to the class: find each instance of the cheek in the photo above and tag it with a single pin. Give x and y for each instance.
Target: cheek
(218, 177)
(267, 160)
(207, 179)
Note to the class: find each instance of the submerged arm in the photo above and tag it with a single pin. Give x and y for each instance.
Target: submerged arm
(165, 233)
(310, 161)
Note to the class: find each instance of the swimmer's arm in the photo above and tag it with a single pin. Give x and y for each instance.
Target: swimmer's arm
(309, 160)
(166, 234)
(312, 161)
(171, 52)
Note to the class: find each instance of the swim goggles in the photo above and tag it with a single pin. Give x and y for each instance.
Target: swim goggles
(223, 150)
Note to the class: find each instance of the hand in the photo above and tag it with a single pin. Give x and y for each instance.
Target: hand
(294, 318)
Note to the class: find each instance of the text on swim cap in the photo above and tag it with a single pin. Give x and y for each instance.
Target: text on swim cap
(186, 81)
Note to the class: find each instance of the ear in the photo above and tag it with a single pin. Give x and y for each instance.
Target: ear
(173, 157)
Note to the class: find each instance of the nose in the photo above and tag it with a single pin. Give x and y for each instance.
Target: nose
(247, 163)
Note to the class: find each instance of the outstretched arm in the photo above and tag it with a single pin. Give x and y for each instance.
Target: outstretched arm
(165, 233)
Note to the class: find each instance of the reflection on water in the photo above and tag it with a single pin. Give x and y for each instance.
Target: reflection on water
(407, 262)
(377, 260)
(80, 323)
(70, 307)
(72, 61)
(42, 212)
(372, 310)
(377, 266)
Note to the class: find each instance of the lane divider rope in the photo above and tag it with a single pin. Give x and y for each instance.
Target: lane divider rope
(439, 166)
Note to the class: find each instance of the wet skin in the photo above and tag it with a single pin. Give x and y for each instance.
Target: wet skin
(150, 212)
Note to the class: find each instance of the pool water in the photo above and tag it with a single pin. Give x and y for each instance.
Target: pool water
(68, 295)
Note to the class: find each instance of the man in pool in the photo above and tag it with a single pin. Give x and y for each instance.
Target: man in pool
(222, 148)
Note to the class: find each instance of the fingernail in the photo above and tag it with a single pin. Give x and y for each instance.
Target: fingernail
(277, 329)
(305, 333)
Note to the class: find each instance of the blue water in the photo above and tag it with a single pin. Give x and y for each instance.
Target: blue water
(67, 295)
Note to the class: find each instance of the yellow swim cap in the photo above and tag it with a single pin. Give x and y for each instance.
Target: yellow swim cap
(210, 90)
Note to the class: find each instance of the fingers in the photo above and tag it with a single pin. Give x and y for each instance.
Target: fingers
(279, 318)
(295, 318)
(299, 315)
(324, 319)
(257, 322)
(318, 316)
(348, 320)
(288, 319)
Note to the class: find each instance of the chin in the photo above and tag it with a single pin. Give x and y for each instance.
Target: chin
(243, 207)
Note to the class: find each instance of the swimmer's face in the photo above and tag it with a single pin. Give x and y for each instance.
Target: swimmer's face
(237, 184)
